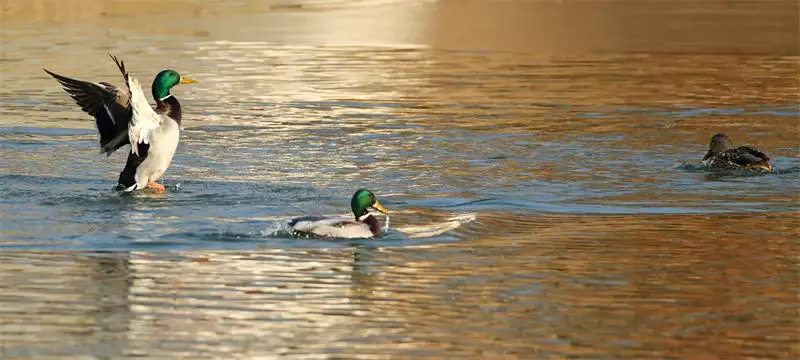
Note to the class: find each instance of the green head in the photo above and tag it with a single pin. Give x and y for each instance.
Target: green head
(364, 200)
(165, 80)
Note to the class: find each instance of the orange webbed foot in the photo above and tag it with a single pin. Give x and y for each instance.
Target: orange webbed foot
(156, 186)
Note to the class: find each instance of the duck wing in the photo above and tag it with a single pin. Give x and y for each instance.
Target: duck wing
(746, 155)
(144, 121)
(108, 104)
(344, 228)
(309, 223)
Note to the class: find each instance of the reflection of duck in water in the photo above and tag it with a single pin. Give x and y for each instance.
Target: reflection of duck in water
(365, 224)
(721, 156)
(124, 116)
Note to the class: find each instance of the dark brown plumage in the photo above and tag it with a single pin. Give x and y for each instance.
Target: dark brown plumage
(722, 156)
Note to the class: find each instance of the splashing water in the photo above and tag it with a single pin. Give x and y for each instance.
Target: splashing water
(436, 229)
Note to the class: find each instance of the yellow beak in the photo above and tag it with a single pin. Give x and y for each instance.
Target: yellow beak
(185, 80)
(380, 208)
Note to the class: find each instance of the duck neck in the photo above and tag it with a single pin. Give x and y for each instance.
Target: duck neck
(709, 155)
(372, 222)
(170, 106)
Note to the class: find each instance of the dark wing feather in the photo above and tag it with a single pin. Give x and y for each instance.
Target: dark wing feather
(310, 218)
(124, 99)
(127, 91)
(109, 105)
(746, 155)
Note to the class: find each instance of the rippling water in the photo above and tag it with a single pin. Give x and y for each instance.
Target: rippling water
(541, 175)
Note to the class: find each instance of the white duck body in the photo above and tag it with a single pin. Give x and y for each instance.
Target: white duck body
(339, 227)
(163, 143)
(154, 135)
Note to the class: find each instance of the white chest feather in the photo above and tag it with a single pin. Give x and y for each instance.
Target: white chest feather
(163, 143)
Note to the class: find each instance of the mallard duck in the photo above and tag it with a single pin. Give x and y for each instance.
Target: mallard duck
(365, 224)
(123, 116)
(722, 156)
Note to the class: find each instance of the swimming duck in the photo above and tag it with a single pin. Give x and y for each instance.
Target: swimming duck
(123, 116)
(721, 156)
(365, 224)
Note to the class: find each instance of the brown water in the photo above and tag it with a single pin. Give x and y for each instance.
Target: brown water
(538, 157)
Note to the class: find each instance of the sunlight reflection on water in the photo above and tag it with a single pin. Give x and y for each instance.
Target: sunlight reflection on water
(540, 177)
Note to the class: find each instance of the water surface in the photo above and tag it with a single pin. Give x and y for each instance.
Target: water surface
(539, 175)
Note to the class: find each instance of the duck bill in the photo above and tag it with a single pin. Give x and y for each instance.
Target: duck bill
(185, 80)
(380, 207)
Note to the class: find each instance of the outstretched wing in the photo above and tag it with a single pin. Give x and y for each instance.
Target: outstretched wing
(144, 120)
(107, 103)
(124, 98)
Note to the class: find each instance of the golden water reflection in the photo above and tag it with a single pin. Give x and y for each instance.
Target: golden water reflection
(562, 286)
(576, 106)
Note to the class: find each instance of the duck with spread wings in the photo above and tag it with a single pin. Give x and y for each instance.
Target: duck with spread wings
(123, 116)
